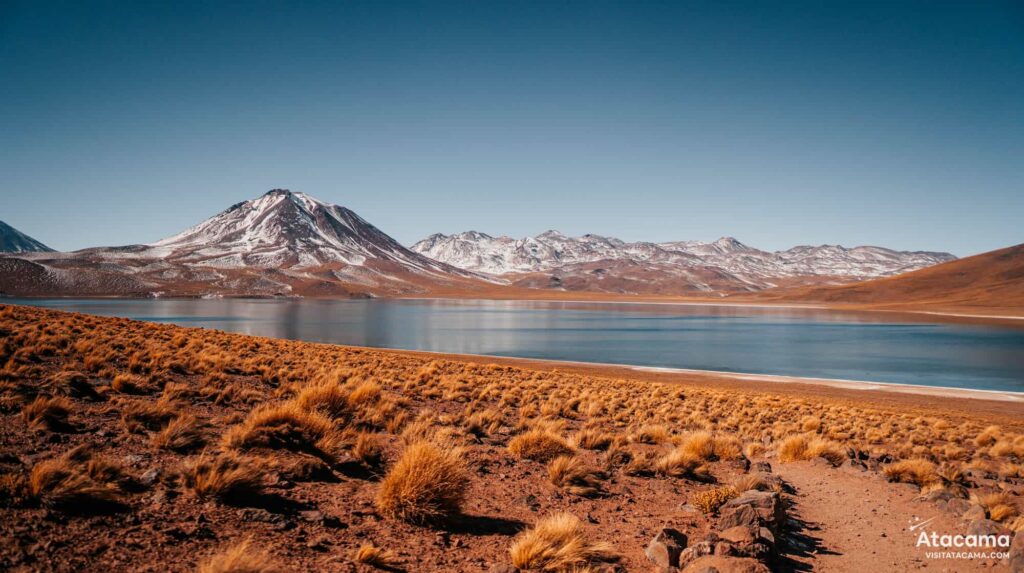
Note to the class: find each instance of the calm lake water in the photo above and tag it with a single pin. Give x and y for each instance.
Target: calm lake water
(795, 342)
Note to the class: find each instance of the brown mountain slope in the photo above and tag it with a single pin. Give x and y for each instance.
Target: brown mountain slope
(990, 281)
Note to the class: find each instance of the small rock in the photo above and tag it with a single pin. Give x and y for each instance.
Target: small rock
(742, 516)
(502, 568)
(958, 506)
(986, 527)
(312, 516)
(665, 548)
(149, 478)
(975, 513)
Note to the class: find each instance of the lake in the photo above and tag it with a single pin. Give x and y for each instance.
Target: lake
(782, 341)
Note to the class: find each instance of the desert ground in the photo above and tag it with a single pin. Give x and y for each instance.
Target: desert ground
(133, 446)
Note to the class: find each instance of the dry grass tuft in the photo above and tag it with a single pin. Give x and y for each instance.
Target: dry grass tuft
(227, 477)
(368, 449)
(807, 447)
(241, 557)
(593, 440)
(182, 434)
(426, 484)
(286, 426)
(540, 445)
(710, 500)
(682, 463)
(572, 475)
(370, 554)
(558, 543)
(77, 482)
(48, 413)
(748, 482)
(706, 446)
(918, 472)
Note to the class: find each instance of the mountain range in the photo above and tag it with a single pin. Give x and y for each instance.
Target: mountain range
(598, 263)
(14, 241)
(287, 243)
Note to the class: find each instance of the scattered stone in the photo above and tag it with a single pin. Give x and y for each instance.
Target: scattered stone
(766, 503)
(503, 568)
(665, 548)
(312, 516)
(694, 552)
(974, 513)
(986, 527)
(763, 467)
(149, 478)
(742, 516)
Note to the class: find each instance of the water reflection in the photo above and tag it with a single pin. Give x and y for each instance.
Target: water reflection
(786, 341)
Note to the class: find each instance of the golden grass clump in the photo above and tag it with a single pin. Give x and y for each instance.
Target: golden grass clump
(558, 544)
(918, 472)
(286, 426)
(572, 475)
(707, 446)
(141, 416)
(369, 554)
(540, 445)
(227, 477)
(48, 413)
(709, 500)
(748, 482)
(368, 449)
(807, 447)
(241, 557)
(1000, 506)
(182, 434)
(427, 484)
(591, 439)
(77, 482)
(682, 462)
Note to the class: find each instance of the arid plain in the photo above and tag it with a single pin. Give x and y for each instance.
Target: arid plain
(130, 445)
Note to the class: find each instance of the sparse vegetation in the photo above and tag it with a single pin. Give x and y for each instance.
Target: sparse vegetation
(426, 484)
(322, 442)
(540, 445)
(242, 557)
(559, 543)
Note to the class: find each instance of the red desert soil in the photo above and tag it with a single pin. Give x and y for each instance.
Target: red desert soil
(132, 446)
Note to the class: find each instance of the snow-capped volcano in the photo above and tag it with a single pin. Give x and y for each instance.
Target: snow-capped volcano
(281, 243)
(14, 241)
(727, 263)
(286, 229)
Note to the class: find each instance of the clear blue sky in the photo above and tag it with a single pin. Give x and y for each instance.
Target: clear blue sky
(780, 123)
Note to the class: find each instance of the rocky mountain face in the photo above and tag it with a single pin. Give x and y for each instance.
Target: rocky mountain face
(594, 262)
(281, 243)
(14, 241)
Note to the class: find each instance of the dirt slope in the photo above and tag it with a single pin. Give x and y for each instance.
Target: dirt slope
(993, 280)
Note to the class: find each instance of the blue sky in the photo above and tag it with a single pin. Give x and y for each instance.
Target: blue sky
(898, 124)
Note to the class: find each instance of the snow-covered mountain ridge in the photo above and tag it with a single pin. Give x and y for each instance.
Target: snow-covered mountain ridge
(553, 251)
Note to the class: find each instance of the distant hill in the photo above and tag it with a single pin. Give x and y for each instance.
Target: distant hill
(14, 241)
(993, 280)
